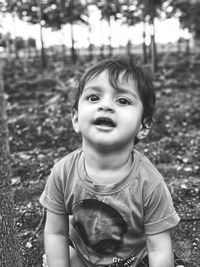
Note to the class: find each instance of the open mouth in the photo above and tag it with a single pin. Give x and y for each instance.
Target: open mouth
(101, 121)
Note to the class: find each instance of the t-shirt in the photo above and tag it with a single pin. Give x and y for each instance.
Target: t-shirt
(110, 222)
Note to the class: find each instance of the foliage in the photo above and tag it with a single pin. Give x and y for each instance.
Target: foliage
(188, 13)
(109, 9)
(152, 7)
(19, 42)
(132, 12)
(53, 13)
(26, 10)
(61, 12)
(31, 42)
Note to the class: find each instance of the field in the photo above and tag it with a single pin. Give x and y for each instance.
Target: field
(40, 133)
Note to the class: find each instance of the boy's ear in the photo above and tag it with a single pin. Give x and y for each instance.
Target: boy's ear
(74, 115)
(143, 132)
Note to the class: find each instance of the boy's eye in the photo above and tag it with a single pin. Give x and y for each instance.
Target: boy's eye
(93, 98)
(123, 101)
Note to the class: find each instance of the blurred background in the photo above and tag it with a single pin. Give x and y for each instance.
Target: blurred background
(45, 46)
(78, 28)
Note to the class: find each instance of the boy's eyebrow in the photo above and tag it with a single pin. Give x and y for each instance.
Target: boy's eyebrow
(93, 87)
(126, 90)
(119, 89)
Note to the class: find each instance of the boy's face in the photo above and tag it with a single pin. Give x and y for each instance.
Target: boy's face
(108, 117)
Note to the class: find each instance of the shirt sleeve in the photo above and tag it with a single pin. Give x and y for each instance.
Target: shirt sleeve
(159, 212)
(52, 197)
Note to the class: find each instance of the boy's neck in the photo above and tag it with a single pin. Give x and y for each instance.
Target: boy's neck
(107, 166)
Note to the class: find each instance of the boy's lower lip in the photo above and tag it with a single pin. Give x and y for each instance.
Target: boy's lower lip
(104, 127)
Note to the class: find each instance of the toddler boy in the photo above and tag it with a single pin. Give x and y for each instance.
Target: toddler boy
(120, 209)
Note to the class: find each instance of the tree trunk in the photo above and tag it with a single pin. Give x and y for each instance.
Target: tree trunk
(187, 46)
(129, 47)
(102, 51)
(90, 45)
(8, 46)
(9, 247)
(179, 47)
(110, 38)
(73, 51)
(144, 47)
(151, 11)
(15, 37)
(153, 46)
(63, 43)
(43, 56)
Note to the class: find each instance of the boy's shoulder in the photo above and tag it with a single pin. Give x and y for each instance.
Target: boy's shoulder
(146, 170)
(68, 159)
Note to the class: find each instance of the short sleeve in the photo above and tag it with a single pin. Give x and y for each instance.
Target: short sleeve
(159, 212)
(52, 197)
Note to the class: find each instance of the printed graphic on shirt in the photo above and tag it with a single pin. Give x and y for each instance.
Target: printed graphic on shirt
(99, 225)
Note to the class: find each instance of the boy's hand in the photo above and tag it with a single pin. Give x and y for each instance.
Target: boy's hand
(160, 252)
(56, 240)
(44, 261)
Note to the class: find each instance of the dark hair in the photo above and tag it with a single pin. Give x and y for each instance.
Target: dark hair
(128, 69)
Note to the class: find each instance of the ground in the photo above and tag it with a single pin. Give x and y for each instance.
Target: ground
(40, 133)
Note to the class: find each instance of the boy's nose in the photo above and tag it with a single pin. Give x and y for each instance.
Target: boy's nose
(106, 108)
(106, 105)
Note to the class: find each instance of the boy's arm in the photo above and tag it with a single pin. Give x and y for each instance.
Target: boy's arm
(56, 240)
(160, 252)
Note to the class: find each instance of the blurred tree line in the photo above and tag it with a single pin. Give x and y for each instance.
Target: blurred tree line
(55, 14)
(20, 44)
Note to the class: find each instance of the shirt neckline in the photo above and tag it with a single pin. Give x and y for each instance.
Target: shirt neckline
(103, 189)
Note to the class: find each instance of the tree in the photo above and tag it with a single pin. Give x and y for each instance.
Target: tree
(188, 13)
(109, 10)
(151, 9)
(9, 246)
(132, 14)
(61, 12)
(49, 13)
(144, 11)
(32, 12)
(90, 45)
(75, 12)
(10, 7)
(143, 7)
(31, 42)
(29, 11)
